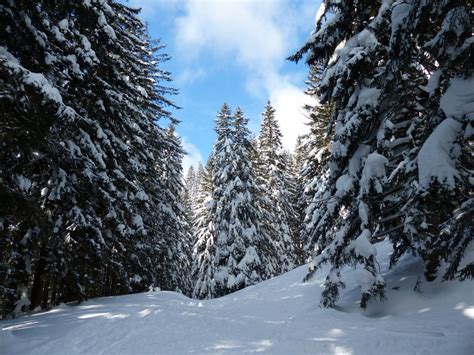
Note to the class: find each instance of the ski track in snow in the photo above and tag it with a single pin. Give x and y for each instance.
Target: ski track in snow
(277, 316)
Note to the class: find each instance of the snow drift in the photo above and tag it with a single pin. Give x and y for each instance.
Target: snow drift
(280, 315)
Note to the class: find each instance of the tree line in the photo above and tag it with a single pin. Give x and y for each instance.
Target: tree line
(388, 155)
(89, 182)
(92, 196)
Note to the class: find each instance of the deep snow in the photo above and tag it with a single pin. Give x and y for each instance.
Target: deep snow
(277, 316)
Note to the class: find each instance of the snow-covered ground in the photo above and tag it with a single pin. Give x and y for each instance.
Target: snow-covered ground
(277, 316)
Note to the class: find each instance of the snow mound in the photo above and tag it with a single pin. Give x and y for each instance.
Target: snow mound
(277, 316)
(438, 155)
(458, 100)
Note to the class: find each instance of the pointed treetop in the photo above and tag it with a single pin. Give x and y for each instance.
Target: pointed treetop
(223, 120)
(270, 134)
(191, 171)
(240, 123)
(269, 108)
(239, 117)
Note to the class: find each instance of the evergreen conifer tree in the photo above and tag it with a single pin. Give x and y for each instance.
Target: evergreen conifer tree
(175, 258)
(233, 249)
(204, 248)
(91, 175)
(377, 56)
(312, 174)
(190, 192)
(297, 159)
(276, 188)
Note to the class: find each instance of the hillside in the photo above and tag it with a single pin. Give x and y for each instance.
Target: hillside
(277, 316)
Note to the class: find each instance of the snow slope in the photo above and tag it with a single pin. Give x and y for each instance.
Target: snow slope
(277, 316)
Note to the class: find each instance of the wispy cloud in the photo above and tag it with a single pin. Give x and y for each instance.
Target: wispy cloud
(288, 101)
(189, 75)
(150, 8)
(258, 36)
(193, 155)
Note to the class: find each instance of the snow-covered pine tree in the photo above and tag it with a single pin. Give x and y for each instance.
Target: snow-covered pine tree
(202, 186)
(190, 192)
(35, 55)
(428, 189)
(313, 172)
(276, 185)
(202, 180)
(239, 241)
(201, 171)
(371, 67)
(344, 224)
(297, 159)
(30, 107)
(293, 189)
(123, 104)
(87, 72)
(233, 250)
(174, 261)
(204, 247)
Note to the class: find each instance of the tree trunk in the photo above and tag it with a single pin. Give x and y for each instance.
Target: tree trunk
(45, 299)
(37, 288)
(54, 288)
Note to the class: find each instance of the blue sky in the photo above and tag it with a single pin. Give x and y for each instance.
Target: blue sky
(232, 51)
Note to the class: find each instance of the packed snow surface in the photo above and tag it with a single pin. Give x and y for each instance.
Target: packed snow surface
(277, 316)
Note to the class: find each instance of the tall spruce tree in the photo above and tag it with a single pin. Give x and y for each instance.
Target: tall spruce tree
(233, 249)
(174, 262)
(380, 180)
(204, 248)
(79, 200)
(313, 171)
(276, 188)
(433, 221)
(297, 159)
(237, 215)
(201, 171)
(30, 107)
(190, 187)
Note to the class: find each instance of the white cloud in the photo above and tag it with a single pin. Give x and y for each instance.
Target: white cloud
(193, 155)
(288, 101)
(150, 8)
(258, 35)
(189, 75)
(245, 28)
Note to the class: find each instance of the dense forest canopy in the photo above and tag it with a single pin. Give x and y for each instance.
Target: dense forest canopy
(94, 200)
